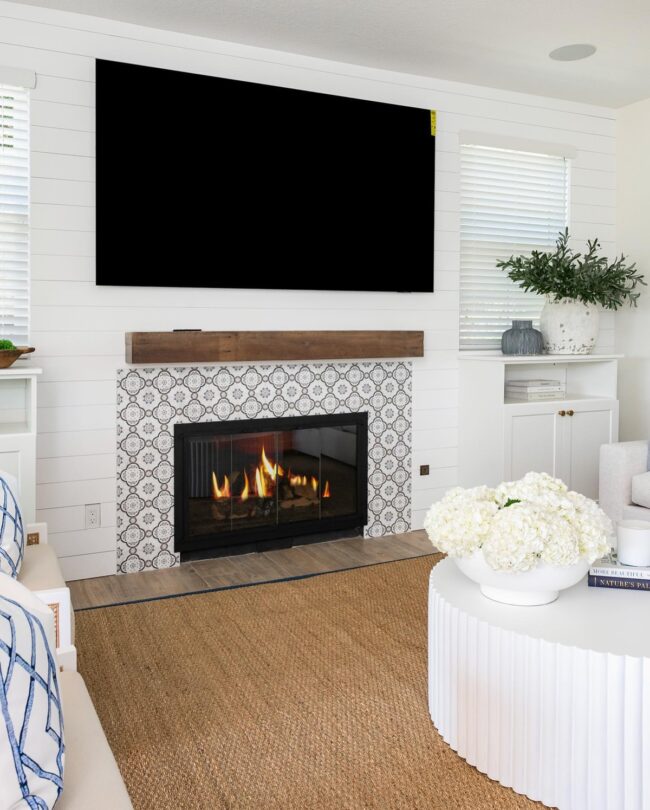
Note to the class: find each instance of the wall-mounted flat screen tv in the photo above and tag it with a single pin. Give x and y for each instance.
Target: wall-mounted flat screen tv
(210, 182)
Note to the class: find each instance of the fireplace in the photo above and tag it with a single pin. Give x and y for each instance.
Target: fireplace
(257, 484)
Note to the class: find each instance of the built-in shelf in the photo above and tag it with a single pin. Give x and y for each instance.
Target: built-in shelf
(567, 399)
(502, 438)
(20, 369)
(214, 347)
(534, 359)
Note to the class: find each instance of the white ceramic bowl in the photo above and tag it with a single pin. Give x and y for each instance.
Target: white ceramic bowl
(539, 586)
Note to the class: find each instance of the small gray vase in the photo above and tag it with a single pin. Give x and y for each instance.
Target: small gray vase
(521, 338)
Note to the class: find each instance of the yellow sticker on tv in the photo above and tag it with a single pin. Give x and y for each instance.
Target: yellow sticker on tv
(433, 122)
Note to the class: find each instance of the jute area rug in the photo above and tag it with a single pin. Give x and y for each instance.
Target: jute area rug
(303, 694)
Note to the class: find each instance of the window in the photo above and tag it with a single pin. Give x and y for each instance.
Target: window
(14, 214)
(510, 202)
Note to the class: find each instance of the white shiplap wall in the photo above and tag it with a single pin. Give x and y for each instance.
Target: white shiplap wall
(79, 329)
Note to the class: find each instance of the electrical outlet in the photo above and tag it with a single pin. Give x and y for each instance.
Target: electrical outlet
(92, 515)
(424, 469)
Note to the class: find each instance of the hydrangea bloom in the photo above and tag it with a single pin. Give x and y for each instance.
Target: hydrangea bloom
(520, 524)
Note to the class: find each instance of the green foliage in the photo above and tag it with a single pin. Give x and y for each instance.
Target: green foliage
(6, 344)
(585, 277)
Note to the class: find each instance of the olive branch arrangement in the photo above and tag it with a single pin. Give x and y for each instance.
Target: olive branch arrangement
(567, 274)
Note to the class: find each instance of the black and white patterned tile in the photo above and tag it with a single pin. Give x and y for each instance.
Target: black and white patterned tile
(150, 401)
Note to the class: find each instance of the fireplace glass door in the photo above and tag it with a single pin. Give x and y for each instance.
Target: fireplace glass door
(246, 483)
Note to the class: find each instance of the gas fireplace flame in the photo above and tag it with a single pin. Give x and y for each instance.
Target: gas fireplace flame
(264, 482)
(260, 483)
(220, 492)
(246, 490)
(272, 470)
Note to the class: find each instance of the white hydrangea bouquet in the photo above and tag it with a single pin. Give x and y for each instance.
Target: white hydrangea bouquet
(518, 527)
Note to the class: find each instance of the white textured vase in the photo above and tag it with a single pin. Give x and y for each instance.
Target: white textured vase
(569, 327)
(539, 586)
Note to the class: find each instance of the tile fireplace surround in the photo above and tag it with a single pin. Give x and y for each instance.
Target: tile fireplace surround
(150, 401)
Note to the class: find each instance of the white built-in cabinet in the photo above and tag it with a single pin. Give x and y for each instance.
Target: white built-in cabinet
(18, 431)
(503, 440)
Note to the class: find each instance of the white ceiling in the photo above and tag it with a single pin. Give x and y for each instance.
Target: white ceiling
(501, 43)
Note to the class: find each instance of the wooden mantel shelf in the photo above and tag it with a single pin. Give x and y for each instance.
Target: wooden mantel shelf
(215, 347)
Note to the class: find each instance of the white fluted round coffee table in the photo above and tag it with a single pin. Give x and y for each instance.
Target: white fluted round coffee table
(552, 701)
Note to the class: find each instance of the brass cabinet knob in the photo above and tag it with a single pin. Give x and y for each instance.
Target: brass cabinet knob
(570, 413)
(562, 413)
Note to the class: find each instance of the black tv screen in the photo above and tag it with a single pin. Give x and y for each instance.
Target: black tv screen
(210, 182)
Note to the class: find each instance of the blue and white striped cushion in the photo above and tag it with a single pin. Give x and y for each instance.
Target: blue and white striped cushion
(31, 719)
(12, 531)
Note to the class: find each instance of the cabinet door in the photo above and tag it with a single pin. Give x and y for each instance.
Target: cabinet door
(532, 440)
(591, 425)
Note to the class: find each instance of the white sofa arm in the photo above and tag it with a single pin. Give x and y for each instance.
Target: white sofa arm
(619, 462)
(35, 533)
(58, 600)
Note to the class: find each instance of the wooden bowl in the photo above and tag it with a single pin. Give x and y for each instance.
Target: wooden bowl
(9, 356)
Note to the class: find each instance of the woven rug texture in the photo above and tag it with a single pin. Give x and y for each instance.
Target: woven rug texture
(291, 695)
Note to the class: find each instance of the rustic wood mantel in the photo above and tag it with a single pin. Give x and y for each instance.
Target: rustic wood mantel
(215, 347)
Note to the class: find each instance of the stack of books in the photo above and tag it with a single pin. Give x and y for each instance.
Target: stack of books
(534, 390)
(609, 573)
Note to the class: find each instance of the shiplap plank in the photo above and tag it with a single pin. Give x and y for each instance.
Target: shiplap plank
(75, 443)
(52, 140)
(596, 215)
(94, 392)
(64, 91)
(93, 490)
(62, 268)
(62, 243)
(83, 566)
(428, 400)
(49, 191)
(584, 180)
(86, 294)
(63, 217)
(435, 418)
(438, 477)
(76, 418)
(423, 498)
(593, 194)
(435, 379)
(437, 459)
(75, 468)
(62, 518)
(44, 60)
(86, 541)
(61, 115)
(83, 317)
(62, 167)
(435, 438)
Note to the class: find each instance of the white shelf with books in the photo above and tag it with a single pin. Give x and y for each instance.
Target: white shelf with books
(543, 413)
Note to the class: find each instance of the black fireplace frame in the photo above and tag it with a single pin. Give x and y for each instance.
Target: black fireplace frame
(266, 537)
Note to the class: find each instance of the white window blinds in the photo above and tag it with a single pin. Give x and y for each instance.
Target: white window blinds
(14, 214)
(511, 202)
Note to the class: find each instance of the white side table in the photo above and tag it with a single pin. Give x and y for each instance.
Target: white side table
(551, 701)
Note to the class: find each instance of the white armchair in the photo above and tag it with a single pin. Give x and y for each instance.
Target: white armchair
(619, 464)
